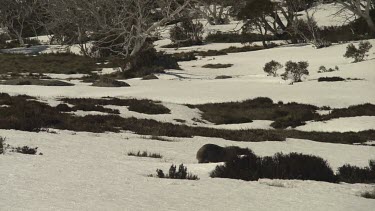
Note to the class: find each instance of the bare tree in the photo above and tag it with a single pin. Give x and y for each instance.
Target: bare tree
(360, 8)
(305, 27)
(214, 11)
(14, 15)
(121, 27)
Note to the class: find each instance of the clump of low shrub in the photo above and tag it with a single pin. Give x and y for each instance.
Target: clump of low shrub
(230, 37)
(369, 194)
(358, 54)
(295, 71)
(330, 79)
(323, 69)
(150, 77)
(223, 77)
(25, 150)
(36, 82)
(109, 82)
(280, 166)
(173, 173)
(217, 66)
(271, 68)
(145, 154)
(354, 174)
(2, 143)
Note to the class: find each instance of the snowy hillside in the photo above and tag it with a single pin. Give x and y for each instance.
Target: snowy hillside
(80, 170)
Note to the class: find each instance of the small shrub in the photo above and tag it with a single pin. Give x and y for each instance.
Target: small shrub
(223, 77)
(295, 71)
(150, 77)
(369, 194)
(2, 143)
(353, 174)
(271, 68)
(217, 66)
(330, 79)
(145, 154)
(184, 56)
(358, 54)
(108, 82)
(25, 150)
(323, 69)
(173, 173)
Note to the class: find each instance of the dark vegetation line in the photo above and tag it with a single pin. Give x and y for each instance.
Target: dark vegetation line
(292, 166)
(24, 113)
(284, 115)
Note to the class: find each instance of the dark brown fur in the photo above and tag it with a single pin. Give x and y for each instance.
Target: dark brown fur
(211, 153)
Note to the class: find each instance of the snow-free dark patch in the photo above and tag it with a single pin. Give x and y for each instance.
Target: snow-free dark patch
(109, 82)
(330, 79)
(24, 113)
(217, 66)
(280, 166)
(223, 77)
(36, 82)
(145, 154)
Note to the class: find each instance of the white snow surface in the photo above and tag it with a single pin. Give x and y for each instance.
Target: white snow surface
(196, 85)
(85, 171)
(353, 124)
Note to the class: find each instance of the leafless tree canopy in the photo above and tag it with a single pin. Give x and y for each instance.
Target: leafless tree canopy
(360, 8)
(119, 26)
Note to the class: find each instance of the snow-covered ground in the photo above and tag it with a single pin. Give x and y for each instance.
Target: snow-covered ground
(196, 85)
(85, 171)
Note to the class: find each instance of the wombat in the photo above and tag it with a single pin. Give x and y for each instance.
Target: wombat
(211, 153)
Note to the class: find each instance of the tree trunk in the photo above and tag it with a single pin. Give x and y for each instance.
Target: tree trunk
(370, 24)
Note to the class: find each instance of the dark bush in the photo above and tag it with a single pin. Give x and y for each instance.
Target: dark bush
(353, 174)
(323, 69)
(173, 173)
(36, 82)
(2, 143)
(369, 194)
(271, 68)
(280, 166)
(91, 107)
(358, 54)
(109, 82)
(217, 66)
(25, 150)
(330, 79)
(145, 154)
(149, 62)
(62, 63)
(295, 71)
(230, 37)
(223, 77)
(355, 30)
(26, 114)
(285, 115)
(184, 56)
(187, 33)
(352, 111)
